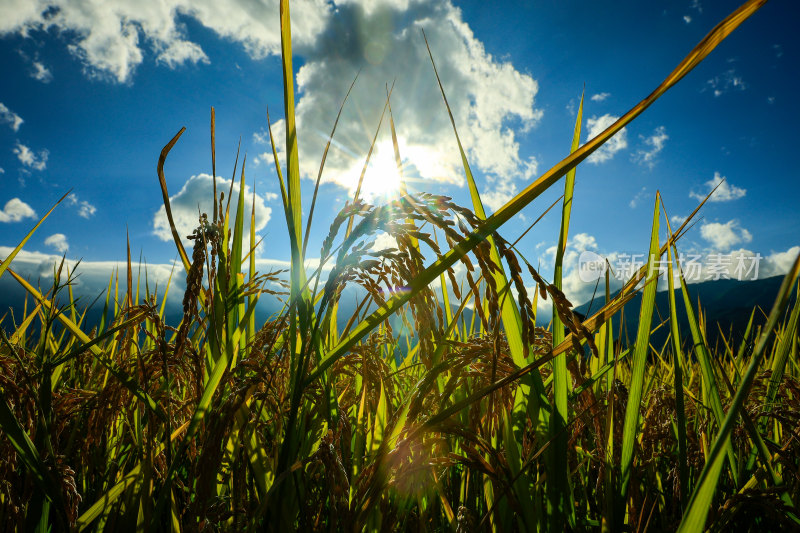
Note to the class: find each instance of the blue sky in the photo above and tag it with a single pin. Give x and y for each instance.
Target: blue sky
(91, 92)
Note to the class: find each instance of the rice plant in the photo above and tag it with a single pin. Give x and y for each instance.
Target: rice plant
(468, 418)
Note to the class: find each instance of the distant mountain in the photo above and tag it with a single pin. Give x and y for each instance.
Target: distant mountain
(724, 302)
(727, 305)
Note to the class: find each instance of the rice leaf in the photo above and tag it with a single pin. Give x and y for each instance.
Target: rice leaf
(641, 348)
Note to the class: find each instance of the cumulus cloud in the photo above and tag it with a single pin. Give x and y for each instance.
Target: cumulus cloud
(29, 158)
(727, 81)
(491, 101)
(596, 125)
(195, 198)
(179, 52)
(687, 19)
(112, 37)
(85, 209)
(653, 146)
(57, 241)
(724, 236)
(599, 97)
(16, 210)
(779, 263)
(9, 117)
(41, 72)
(725, 193)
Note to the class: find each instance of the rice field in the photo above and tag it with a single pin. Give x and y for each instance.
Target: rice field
(478, 421)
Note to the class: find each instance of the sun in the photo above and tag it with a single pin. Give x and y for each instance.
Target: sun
(383, 179)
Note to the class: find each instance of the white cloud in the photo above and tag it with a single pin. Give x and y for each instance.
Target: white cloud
(490, 99)
(261, 137)
(16, 210)
(640, 196)
(41, 72)
(57, 241)
(85, 209)
(29, 158)
(779, 263)
(727, 81)
(599, 97)
(94, 275)
(384, 241)
(725, 193)
(724, 236)
(655, 143)
(9, 117)
(687, 19)
(110, 37)
(677, 220)
(596, 125)
(740, 264)
(195, 198)
(179, 52)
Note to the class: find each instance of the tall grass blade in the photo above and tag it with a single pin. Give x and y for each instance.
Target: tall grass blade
(292, 160)
(641, 348)
(677, 359)
(559, 495)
